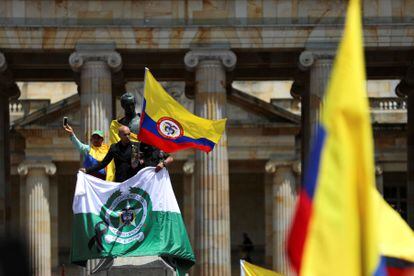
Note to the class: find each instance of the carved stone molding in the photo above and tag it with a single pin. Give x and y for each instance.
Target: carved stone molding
(188, 167)
(309, 57)
(193, 58)
(104, 53)
(25, 166)
(272, 166)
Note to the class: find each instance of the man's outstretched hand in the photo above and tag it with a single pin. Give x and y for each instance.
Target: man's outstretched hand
(68, 129)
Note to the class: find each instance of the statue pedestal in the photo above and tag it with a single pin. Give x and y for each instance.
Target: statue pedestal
(148, 266)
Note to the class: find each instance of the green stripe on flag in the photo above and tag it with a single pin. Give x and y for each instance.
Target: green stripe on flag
(167, 237)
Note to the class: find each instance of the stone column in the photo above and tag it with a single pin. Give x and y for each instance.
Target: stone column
(212, 226)
(405, 89)
(38, 228)
(54, 223)
(8, 89)
(379, 181)
(283, 193)
(95, 63)
(189, 208)
(269, 218)
(319, 64)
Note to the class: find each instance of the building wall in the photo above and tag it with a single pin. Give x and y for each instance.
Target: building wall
(53, 91)
(247, 216)
(171, 24)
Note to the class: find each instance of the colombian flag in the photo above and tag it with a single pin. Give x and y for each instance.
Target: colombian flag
(169, 126)
(335, 229)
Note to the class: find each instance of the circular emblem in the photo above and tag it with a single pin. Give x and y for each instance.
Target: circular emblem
(169, 128)
(126, 216)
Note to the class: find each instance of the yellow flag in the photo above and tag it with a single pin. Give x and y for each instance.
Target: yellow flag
(335, 230)
(396, 237)
(248, 269)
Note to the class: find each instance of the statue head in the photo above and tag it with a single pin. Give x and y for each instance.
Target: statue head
(128, 103)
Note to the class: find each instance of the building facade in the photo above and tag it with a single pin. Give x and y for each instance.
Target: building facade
(207, 53)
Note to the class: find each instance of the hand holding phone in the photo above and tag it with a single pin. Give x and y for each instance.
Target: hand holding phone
(67, 127)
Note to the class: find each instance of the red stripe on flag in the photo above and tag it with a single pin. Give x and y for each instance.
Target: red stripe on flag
(400, 271)
(148, 137)
(299, 230)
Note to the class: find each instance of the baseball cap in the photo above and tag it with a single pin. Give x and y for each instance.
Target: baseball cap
(99, 133)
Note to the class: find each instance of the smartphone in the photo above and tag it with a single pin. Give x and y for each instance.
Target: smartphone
(65, 121)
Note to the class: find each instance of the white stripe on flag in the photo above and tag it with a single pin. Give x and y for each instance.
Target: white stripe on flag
(91, 192)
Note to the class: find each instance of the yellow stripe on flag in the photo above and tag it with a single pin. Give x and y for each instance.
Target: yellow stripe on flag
(248, 269)
(396, 237)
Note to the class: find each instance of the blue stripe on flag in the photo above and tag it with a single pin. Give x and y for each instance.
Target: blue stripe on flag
(311, 175)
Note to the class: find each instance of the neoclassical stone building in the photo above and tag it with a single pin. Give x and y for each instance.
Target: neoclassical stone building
(205, 52)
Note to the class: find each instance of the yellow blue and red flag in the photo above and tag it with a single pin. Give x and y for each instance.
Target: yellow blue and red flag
(335, 228)
(169, 126)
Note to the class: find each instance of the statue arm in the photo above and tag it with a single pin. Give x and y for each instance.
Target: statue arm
(81, 147)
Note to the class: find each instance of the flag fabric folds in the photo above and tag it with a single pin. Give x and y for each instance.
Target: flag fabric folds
(138, 217)
(335, 229)
(169, 126)
(396, 239)
(94, 156)
(248, 269)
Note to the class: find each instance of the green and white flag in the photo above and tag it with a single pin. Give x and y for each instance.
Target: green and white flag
(138, 217)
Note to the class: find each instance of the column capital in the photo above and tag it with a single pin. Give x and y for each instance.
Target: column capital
(95, 52)
(272, 166)
(309, 57)
(188, 167)
(25, 166)
(193, 58)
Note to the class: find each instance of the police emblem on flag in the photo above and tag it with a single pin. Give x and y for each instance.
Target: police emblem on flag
(126, 215)
(169, 128)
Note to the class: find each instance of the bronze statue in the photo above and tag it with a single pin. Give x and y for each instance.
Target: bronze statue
(131, 118)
